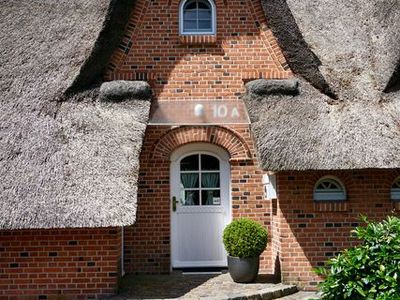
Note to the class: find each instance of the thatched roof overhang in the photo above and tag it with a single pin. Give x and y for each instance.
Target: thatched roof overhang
(67, 159)
(347, 113)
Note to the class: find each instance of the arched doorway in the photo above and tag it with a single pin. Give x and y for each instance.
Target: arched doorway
(200, 205)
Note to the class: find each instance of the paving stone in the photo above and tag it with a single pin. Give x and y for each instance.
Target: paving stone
(302, 296)
(202, 287)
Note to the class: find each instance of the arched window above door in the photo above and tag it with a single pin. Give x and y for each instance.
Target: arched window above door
(197, 17)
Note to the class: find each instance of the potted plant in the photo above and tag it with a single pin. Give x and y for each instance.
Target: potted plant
(244, 240)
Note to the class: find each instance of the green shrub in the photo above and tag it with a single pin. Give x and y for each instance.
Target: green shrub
(370, 270)
(245, 238)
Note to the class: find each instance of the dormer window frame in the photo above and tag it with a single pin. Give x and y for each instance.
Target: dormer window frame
(395, 190)
(328, 193)
(213, 8)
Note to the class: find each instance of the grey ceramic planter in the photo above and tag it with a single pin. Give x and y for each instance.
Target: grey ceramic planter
(243, 270)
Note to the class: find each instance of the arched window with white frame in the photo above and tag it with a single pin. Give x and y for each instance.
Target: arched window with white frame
(395, 190)
(197, 17)
(329, 188)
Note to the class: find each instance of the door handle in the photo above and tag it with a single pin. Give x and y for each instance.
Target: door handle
(174, 202)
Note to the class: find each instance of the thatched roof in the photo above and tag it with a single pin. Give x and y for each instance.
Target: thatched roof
(347, 114)
(65, 160)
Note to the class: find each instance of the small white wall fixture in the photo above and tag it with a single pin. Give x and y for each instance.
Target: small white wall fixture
(269, 183)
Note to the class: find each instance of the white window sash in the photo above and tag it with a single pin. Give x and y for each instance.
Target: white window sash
(213, 20)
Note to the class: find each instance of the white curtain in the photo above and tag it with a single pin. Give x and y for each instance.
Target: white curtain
(189, 181)
(210, 180)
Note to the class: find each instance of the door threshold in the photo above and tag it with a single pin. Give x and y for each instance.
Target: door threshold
(201, 273)
(201, 270)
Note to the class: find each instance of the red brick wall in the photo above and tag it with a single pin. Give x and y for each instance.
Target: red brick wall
(244, 48)
(59, 264)
(147, 243)
(308, 233)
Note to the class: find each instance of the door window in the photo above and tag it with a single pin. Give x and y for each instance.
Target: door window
(200, 180)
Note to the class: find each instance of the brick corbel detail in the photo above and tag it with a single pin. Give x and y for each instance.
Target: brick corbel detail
(197, 39)
(220, 136)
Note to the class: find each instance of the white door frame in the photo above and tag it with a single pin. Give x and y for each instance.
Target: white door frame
(225, 168)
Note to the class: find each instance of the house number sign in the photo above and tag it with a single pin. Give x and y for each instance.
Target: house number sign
(199, 112)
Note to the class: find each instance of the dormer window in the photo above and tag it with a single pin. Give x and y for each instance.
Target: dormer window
(329, 189)
(395, 190)
(197, 17)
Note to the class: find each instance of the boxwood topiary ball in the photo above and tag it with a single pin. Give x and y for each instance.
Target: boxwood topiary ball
(245, 238)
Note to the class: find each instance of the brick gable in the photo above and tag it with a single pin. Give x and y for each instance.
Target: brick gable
(198, 67)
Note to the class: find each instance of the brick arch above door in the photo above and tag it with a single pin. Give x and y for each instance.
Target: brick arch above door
(226, 138)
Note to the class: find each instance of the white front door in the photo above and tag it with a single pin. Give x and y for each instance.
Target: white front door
(200, 205)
